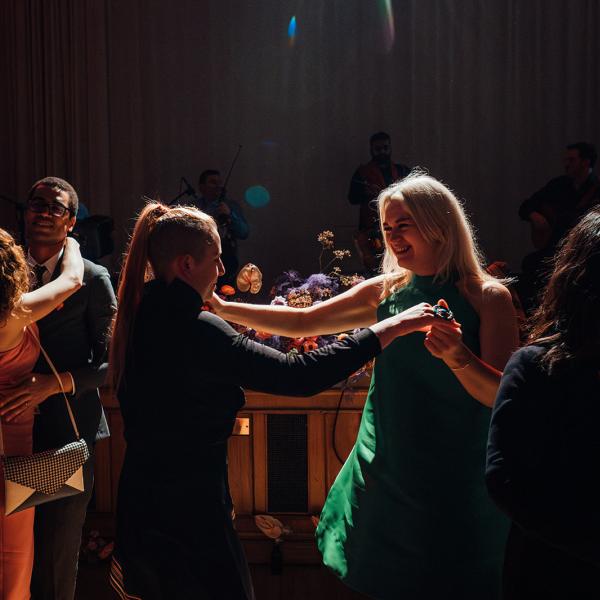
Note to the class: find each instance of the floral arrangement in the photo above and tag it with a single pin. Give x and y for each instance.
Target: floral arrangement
(292, 289)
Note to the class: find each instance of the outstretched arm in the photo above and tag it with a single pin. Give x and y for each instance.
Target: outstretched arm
(236, 359)
(354, 308)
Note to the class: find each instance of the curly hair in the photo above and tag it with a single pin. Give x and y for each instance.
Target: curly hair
(567, 321)
(14, 275)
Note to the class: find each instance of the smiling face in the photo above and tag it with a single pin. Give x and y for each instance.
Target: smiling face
(404, 239)
(44, 229)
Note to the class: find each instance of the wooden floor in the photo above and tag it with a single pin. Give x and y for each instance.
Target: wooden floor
(295, 583)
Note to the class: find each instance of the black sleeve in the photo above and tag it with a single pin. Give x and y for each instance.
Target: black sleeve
(101, 308)
(525, 474)
(225, 356)
(530, 205)
(357, 192)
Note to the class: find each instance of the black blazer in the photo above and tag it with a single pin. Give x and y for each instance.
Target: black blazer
(544, 454)
(76, 336)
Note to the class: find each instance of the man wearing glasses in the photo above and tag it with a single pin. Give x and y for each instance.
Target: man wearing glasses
(75, 336)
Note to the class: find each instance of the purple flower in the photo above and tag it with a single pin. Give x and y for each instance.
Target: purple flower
(286, 281)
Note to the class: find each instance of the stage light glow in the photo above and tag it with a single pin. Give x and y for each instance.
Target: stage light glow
(389, 27)
(292, 30)
(257, 196)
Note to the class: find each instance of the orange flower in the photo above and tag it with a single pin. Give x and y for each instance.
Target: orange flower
(309, 345)
(227, 290)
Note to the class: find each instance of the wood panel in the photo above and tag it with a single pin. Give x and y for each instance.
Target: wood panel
(103, 501)
(259, 446)
(345, 436)
(248, 477)
(241, 470)
(317, 489)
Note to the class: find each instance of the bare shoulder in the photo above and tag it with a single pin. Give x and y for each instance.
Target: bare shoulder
(495, 294)
(485, 295)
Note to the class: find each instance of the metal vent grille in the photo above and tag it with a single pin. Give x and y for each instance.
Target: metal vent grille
(287, 463)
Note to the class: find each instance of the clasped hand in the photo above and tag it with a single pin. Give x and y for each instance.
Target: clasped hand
(28, 393)
(445, 342)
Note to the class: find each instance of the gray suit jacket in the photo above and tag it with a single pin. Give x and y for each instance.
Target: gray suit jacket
(76, 336)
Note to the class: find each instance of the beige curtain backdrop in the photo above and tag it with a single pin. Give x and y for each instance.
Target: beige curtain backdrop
(123, 97)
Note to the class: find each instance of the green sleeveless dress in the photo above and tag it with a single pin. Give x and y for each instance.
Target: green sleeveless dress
(408, 516)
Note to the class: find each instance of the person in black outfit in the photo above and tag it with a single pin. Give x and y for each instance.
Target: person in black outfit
(366, 184)
(553, 210)
(178, 370)
(544, 449)
(75, 336)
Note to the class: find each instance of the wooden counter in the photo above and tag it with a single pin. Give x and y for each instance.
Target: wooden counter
(249, 456)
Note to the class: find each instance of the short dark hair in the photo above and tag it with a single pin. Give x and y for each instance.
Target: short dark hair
(380, 135)
(586, 151)
(206, 174)
(56, 183)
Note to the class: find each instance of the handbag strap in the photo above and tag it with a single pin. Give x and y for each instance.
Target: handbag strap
(60, 385)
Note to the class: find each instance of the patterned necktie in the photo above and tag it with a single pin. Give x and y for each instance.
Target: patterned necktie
(38, 273)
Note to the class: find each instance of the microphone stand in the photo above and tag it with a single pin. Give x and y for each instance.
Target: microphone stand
(189, 191)
(224, 188)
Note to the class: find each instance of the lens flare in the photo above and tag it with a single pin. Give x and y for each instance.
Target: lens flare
(292, 30)
(389, 28)
(257, 196)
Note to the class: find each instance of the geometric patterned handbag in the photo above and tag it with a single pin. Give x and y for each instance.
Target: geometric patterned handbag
(44, 476)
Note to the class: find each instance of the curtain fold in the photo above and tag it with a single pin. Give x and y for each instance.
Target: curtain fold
(123, 97)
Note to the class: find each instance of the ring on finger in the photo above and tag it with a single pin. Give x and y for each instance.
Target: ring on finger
(442, 312)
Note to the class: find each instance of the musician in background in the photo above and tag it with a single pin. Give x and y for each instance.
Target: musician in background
(368, 180)
(212, 199)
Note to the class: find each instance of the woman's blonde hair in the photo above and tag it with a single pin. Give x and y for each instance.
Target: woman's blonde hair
(14, 275)
(441, 220)
(161, 233)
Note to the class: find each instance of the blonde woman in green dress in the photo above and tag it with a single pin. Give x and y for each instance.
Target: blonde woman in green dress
(408, 515)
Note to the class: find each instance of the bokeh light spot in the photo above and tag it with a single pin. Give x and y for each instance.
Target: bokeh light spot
(257, 196)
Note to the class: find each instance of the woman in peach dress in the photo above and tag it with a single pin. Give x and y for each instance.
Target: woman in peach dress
(19, 349)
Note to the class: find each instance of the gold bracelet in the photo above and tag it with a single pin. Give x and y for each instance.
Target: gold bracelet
(461, 368)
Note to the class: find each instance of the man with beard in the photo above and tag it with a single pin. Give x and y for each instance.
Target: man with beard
(75, 336)
(554, 209)
(368, 180)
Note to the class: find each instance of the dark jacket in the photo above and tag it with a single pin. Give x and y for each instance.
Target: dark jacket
(75, 335)
(179, 398)
(544, 455)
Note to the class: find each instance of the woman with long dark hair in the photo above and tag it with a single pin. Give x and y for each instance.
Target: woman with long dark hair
(544, 446)
(177, 371)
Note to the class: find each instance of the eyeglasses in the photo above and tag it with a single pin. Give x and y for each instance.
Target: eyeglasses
(53, 208)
